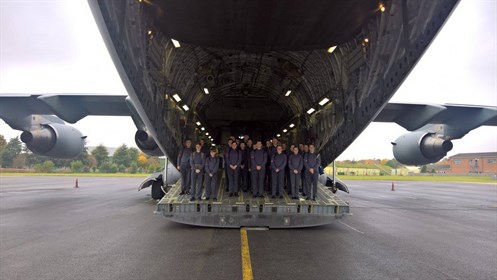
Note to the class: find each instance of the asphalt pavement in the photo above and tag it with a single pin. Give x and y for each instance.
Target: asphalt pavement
(107, 230)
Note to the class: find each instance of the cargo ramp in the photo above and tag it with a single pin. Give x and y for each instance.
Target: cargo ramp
(246, 211)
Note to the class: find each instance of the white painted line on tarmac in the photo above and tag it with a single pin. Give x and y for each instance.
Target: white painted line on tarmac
(351, 227)
(411, 197)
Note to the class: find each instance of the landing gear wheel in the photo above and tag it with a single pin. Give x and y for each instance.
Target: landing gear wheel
(334, 189)
(157, 192)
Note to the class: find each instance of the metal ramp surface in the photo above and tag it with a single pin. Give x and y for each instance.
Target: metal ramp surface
(246, 211)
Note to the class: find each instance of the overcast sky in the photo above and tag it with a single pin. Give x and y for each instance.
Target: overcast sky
(55, 47)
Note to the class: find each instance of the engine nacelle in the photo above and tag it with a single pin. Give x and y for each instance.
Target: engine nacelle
(419, 148)
(54, 140)
(147, 144)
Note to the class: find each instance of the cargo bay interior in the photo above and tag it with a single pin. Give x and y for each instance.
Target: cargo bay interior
(268, 68)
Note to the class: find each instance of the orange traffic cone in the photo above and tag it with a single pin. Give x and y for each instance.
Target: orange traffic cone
(393, 187)
(76, 185)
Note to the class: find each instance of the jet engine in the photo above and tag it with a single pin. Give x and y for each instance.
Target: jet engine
(55, 140)
(147, 144)
(420, 147)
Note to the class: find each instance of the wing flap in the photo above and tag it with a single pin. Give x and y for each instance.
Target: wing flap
(415, 116)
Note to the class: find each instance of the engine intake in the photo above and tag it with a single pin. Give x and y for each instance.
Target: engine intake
(420, 147)
(147, 144)
(55, 140)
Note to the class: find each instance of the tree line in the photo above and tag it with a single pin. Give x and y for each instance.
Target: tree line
(14, 155)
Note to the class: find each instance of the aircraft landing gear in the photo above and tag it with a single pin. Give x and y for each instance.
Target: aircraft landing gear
(156, 190)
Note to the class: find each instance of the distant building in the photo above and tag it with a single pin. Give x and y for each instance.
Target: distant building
(484, 163)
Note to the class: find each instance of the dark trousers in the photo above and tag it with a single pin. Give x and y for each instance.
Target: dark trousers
(268, 179)
(312, 184)
(277, 182)
(244, 178)
(304, 182)
(185, 177)
(294, 183)
(211, 185)
(226, 181)
(258, 181)
(196, 188)
(233, 179)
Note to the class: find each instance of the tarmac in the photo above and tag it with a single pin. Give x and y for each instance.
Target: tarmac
(107, 230)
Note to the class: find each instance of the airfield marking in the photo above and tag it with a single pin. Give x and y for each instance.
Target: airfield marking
(246, 264)
(352, 228)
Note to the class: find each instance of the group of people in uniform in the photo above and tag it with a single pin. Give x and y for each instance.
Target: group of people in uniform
(249, 166)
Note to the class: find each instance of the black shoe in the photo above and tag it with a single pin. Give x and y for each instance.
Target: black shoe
(281, 196)
(236, 194)
(187, 192)
(254, 196)
(214, 199)
(207, 198)
(307, 198)
(182, 193)
(231, 195)
(192, 199)
(273, 196)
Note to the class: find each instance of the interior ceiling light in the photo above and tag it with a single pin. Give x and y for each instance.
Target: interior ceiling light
(198, 123)
(177, 98)
(207, 133)
(285, 130)
(149, 32)
(331, 49)
(291, 125)
(324, 101)
(382, 8)
(213, 145)
(278, 135)
(366, 40)
(185, 108)
(206, 90)
(288, 93)
(175, 43)
(310, 111)
(202, 128)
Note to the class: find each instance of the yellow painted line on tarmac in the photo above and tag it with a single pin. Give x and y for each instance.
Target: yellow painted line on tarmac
(246, 264)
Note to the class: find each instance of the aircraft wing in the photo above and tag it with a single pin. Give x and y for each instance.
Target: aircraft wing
(415, 116)
(70, 108)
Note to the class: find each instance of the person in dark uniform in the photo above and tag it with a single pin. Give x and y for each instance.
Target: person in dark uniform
(278, 164)
(295, 165)
(271, 150)
(244, 167)
(197, 161)
(312, 161)
(211, 168)
(226, 167)
(258, 159)
(233, 160)
(205, 148)
(184, 166)
(304, 152)
(250, 147)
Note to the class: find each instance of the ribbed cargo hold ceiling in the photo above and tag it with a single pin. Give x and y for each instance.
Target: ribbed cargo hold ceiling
(261, 25)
